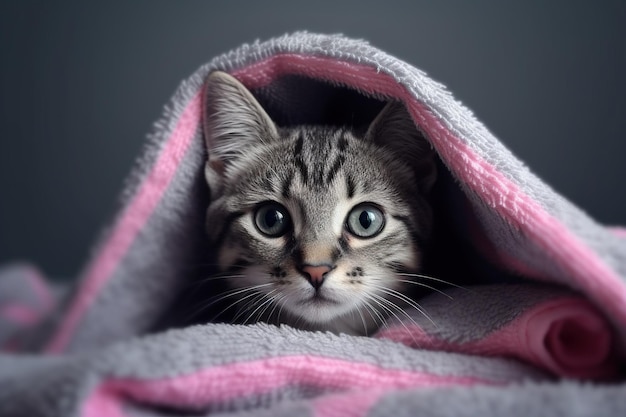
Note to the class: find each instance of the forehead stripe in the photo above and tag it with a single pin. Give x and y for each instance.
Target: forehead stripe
(350, 185)
(334, 168)
(299, 161)
(286, 185)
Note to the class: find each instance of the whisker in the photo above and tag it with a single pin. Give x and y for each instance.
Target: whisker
(243, 310)
(421, 284)
(251, 303)
(198, 266)
(452, 284)
(276, 303)
(215, 277)
(238, 291)
(397, 308)
(358, 310)
(254, 290)
(370, 309)
(406, 299)
(401, 310)
(264, 303)
(272, 304)
(280, 310)
(203, 306)
(377, 299)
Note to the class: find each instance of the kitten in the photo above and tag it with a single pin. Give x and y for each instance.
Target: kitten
(315, 227)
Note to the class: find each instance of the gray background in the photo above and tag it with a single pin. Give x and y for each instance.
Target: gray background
(82, 82)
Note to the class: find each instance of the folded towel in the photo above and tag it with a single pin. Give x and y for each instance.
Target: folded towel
(542, 299)
(557, 331)
(25, 301)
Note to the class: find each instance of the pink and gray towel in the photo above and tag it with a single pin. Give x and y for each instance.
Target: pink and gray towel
(536, 324)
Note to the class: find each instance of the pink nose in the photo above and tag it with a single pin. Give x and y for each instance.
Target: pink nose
(315, 274)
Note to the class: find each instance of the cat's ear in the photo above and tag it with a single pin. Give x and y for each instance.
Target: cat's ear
(395, 130)
(234, 125)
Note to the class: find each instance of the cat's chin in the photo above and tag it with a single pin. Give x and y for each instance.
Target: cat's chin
(330, 316)
(321, 310)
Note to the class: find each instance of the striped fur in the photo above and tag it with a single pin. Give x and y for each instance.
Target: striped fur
(317, 175)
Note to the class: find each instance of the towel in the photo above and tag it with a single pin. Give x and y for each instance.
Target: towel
(557, 331)
(533, 322)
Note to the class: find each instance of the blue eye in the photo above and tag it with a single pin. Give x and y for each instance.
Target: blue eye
(272, 219)
(365, 220)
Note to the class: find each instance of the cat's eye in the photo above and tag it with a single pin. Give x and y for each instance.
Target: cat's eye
(272, 219)
(365, 220)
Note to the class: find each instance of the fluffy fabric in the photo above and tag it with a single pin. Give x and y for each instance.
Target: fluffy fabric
(541, 310)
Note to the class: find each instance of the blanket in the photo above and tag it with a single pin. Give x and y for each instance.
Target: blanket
(534, 323)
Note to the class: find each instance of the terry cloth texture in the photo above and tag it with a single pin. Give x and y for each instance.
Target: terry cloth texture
(537, 325)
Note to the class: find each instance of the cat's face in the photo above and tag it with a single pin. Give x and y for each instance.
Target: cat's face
(315, 225)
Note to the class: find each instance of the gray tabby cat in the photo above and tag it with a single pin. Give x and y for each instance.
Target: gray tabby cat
(316, 228)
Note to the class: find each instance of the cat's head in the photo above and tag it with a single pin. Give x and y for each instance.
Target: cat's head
(313, 223)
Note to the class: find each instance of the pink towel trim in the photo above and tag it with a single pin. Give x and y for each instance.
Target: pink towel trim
(130, 222)
(566, 336)
(618, 231)
(348, 404)
(239, 380)
(21, 314)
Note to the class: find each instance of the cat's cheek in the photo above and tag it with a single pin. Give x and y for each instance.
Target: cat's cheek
(410, 258)
(254, 276)
(340, 212)
(228, 256)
